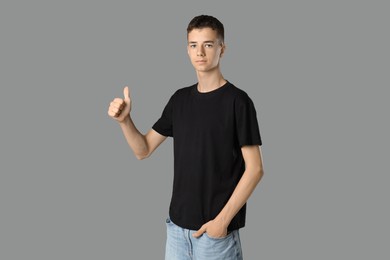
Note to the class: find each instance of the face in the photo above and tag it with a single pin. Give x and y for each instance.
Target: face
(204, 49)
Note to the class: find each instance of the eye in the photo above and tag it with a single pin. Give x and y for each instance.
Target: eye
(192, 46)
(208, 45)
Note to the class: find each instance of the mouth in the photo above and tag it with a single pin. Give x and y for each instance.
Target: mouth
(200, 61)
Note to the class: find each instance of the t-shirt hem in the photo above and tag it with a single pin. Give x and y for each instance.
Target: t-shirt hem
(231, 227)
(251, 143)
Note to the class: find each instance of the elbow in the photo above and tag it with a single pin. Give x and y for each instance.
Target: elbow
(142, 156)
(142, 153)
(261, 174)
(258, 175)
(139, 157)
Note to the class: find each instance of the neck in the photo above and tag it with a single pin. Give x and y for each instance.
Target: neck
(209, 81)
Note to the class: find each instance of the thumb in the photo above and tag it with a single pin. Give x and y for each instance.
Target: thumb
(199, 232)
(126, 93)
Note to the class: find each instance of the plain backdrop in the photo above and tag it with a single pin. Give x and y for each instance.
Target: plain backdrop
(317, 71)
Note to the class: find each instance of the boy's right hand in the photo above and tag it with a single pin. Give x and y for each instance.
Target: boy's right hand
(120, 108)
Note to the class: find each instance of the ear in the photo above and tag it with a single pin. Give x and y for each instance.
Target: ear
(223, 47)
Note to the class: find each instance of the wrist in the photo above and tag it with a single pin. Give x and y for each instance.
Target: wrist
(222, 220)
(125, 120)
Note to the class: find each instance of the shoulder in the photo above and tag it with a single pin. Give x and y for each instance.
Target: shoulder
(183, 91)
(243, 103)
(179, 96)
(239, 94)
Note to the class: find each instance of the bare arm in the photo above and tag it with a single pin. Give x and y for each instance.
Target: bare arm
(142, 145)
(248, 182)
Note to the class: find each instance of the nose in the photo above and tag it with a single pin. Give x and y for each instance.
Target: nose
(200, 51)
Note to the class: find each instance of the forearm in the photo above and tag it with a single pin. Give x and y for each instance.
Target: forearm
(134, 138)
(241, 194)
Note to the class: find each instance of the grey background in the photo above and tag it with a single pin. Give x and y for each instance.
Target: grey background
(318, 72)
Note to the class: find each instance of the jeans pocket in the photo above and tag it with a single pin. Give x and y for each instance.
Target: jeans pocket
(229, 234)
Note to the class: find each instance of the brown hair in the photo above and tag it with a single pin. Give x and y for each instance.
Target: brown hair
(207, 21)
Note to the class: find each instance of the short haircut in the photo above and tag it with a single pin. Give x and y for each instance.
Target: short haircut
(207, 21)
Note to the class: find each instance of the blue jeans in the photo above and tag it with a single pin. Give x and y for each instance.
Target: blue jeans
(181, 245)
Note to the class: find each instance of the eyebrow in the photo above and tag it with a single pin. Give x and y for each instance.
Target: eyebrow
(203, 42)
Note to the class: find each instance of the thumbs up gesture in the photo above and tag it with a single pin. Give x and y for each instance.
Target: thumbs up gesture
(120, 108)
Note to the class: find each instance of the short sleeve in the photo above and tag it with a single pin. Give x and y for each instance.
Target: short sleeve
(247, 126)
(164, 124)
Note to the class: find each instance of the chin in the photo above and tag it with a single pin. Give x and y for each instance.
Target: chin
(206, 69)
(202, 69)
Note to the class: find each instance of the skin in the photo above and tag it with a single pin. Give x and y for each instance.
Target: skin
(205, 51)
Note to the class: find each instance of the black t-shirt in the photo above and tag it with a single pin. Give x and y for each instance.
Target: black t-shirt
(208, 131)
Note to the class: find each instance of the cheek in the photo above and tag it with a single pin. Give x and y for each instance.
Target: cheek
(190, 55)
(191, 52)
(217, 55)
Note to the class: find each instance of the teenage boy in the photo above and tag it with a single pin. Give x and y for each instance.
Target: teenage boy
(217, 155)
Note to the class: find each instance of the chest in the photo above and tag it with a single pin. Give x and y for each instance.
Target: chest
(213, 116)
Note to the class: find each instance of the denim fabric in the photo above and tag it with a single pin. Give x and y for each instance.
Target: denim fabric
(180, 245)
